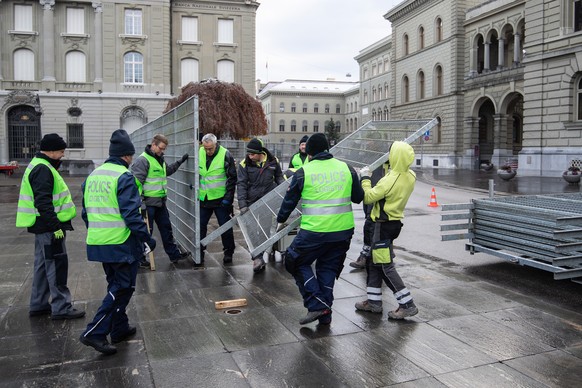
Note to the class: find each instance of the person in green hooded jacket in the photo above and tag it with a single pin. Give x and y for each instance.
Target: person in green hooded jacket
(389, 198)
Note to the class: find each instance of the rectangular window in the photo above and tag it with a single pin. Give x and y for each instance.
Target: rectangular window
(75, 21)
(22, 17)
(225, 31)
(578, 15)
(337, 109)
(75, 136)
(133, 22)
(315, 127)
(304, 108)
(189, 29)
(293, 127)
(293, 108)
(304, 128)
(281, 127)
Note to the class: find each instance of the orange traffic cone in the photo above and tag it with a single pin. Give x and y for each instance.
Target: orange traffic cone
(433, 200)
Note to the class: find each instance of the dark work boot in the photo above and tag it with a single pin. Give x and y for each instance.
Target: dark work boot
(314, 315)
(360, 263)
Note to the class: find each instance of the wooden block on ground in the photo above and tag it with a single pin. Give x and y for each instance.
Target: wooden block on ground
(224, 304)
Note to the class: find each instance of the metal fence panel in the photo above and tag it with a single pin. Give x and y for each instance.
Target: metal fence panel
(368, 146)
(180, 126)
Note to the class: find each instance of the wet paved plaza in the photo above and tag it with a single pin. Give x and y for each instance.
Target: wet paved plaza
(482, 322)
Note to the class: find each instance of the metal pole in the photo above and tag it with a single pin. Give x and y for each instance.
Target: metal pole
(491, 188)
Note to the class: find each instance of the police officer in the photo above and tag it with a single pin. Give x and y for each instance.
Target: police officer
(217, 187)
(327, 187)
(151, 171)
(116, 237)
(46, 208)
(299, 158)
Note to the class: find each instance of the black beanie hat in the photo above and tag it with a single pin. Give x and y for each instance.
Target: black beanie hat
(317, 143)
(255, 146)
(52, 142)
(120, 144)
(304, 139)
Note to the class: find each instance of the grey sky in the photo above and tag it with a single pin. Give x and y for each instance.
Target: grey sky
(317, 39)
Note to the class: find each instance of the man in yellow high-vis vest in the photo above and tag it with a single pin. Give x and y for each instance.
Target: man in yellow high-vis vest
(326, 187)
(46, 208)
(151, 170)
(117, 237)
(299, 158)
(217, 187)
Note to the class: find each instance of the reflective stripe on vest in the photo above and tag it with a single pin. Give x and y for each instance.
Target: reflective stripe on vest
(213, 179)
(106, 225)
(297, 162)
(62, 201)
(156, 182)
(326, 204)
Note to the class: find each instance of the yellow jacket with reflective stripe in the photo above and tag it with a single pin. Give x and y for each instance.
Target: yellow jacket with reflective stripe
(105, 223)
(326, 204)
(156, 181)
(212, 179)
(62, 201)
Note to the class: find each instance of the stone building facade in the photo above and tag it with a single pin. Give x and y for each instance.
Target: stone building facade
(85, 68)
(295, 108)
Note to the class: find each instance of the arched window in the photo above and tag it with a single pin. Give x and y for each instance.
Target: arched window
(132, 118)
(356, 106)
(373, 94)
(438, 76)
(133, 70)
(316, 108)
(386, 65)
(439, 128)
(189, 70)
(24, 65)
(420, 85)
(75, 67)
(282, 107)
(365, 96)
(326, 108)
(386, 90)
(386, 113)
(304, 126)
(405, 89)
(316, 126)
(304, 107)
(405, 44)
(374, 114)
(579, 99)
(438, 30)
(293, 107)
(421, 38)
(337, 108)
(293, 126)
(225, 70)
(281, 125)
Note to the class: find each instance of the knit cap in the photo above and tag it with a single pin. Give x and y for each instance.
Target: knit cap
(120, 144)
(317, 143)
(52, 142)
(255, 146)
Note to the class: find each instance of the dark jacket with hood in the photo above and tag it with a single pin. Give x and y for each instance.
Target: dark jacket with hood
(42, 182)
(129, 204)
(257, 179)
(140, 168)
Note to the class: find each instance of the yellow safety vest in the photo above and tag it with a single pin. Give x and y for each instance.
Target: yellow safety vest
(106, 225)
(62, 201)
(326, 203)
(213, 179)
(156, 182)
(297, 162)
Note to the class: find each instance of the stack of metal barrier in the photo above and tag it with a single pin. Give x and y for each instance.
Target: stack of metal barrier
(543, 231)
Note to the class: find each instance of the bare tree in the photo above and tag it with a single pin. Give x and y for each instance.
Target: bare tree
(225, 109)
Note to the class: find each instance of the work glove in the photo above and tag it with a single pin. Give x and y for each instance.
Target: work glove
(243, 210)
(59, 234)
(280, 226)
(225, 203)
(151, 244)
(184, 158)
(365, 172)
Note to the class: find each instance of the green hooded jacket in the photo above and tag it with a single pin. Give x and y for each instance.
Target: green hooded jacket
(392, 192)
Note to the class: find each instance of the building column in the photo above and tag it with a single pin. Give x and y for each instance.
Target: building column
(48, 31)
(487, 57)
(501, 54)
(471, 142)
(516, 49)
(473, 53)
(98, 43)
